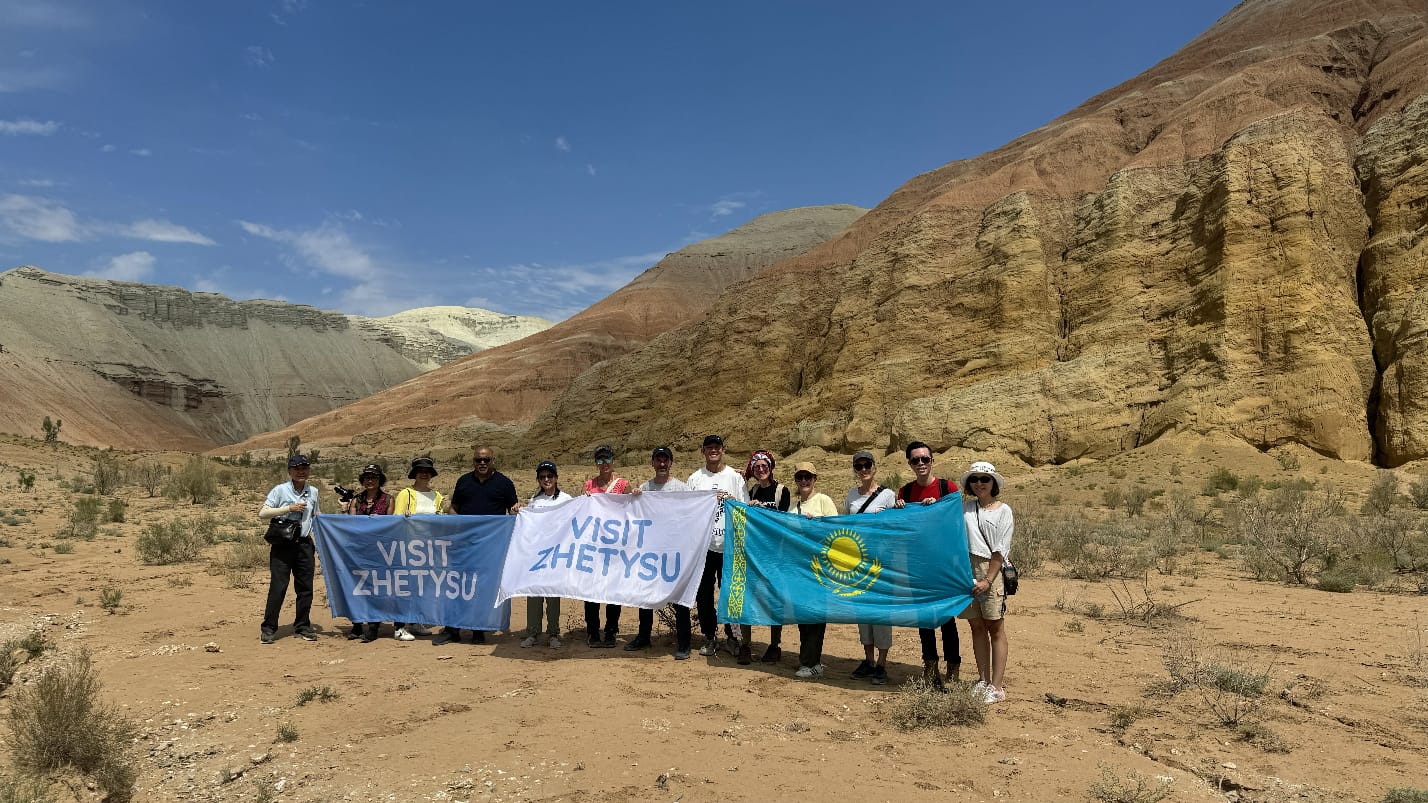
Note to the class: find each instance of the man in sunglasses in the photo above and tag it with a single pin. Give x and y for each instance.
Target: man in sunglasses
(484, 491)
(925, 489)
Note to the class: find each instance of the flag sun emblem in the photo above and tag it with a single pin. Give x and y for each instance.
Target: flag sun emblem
(844, 566)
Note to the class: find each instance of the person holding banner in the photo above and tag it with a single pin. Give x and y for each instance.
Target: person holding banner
(372, 502)
(926, 489)
(483, 491)
(549, 495)
(811, 504)
(293, 560)
(989, 534)
(662, 460)
(604, 482)
(763, 491)
(420, 499)
(869, 497)
(714, 475)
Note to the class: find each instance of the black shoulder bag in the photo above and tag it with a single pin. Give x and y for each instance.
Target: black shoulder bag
(282, 531)
(1010, 578)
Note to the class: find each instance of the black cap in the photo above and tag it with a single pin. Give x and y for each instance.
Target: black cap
(546, 465)
(604, 450)
(421, 463)
(662, 451)
(713, 440)
(298, 460)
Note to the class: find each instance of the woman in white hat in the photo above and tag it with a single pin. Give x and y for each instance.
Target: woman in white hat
(989, 535)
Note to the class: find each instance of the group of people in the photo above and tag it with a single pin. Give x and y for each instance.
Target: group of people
(486, 491)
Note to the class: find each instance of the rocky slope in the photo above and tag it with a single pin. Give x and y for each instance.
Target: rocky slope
(134, 365)
(513, 383)
(1232, 242)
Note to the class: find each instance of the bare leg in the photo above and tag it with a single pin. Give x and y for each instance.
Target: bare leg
(982, 649)
(998, 637)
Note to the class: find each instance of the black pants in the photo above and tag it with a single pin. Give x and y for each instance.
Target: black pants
(683, 630)
(810, 644)
(950, 642)
(296, 562)
(704, 598)
(592, 619)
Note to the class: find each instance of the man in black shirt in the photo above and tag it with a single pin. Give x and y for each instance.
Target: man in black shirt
(481, 492)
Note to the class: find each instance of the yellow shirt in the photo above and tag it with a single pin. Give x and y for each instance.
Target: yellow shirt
(407, 500)
(817, 505)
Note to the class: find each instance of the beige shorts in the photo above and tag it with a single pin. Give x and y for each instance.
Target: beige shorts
(991, 605)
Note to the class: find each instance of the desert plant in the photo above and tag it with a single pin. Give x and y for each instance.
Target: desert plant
(169, 542)
(110, 598)
(1125, 716)
(197, 481)
(149, 476)
(51, 430)
(1403, 794)
(33, 643)
(1289, 536)
(9, 663)
(1110, 549)
(286, 732)
(1260, 735)
(83, 519)
(64, 548)
(1287, 460)
(919, 705)
(294, 443)
(1135, 788)
(1138, 602)
(117, 507)
(1112, 498)
(1381, 494)
(27, 480)
(1136, 498)
(1336, 580)
(22, 789)
(324, 694)
(1221, 479)
(59, 721)
(107, 472)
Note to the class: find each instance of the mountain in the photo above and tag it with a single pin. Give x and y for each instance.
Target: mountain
(133, 365)
(511, 384)
(1234, 242)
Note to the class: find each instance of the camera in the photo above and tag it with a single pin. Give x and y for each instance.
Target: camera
(344, 494)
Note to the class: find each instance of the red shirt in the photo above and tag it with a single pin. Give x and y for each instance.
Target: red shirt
(933, 490)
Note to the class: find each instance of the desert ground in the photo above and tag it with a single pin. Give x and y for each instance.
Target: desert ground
(1091, 704)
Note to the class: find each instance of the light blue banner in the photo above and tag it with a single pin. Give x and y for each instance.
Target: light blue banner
(436, 570)
(906, 568)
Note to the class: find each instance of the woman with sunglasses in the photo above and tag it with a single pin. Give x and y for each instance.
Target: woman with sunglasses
(809, 503)
(989, 534)
(549, 495)
(870, 497)
(604, 482)
(763, 491)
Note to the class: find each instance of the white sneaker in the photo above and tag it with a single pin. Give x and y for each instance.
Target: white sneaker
(419, 630)
(401, 634)
(528, 641)
(809, 671)
(555, 642)
(979, 691)
(994, 695)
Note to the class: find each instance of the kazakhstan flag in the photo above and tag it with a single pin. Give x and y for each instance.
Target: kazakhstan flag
(906, 568)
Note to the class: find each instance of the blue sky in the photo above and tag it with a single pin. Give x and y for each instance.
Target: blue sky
(528, 158)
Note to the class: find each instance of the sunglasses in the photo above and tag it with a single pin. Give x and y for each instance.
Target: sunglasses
(971, 480)
(918, 461)
(545, 476)
(604, 461)
(862, 465)
(480, 459)
(804, 478)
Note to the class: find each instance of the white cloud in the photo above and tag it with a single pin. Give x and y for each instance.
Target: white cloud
(26, 79)
(252, 116)
(14, 128)
(257, 56)
(34, 218)
(328, 248)
(132, 267)
(163, 231)
(558, 291)
(37, 182)
(39, 219)
(107, 149)
(562, 144)
(141, 152)
(725, 208)
(589, 168)
(42, 14)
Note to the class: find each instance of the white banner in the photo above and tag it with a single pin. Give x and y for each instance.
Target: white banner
(643, 551)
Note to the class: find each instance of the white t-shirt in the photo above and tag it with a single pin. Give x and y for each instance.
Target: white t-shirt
(995, 523)
(727, 480)
(672, 485)
(881, 501)
(423, 502)
(544, 500)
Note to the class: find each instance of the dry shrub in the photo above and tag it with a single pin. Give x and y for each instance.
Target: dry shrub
(175, 541)
(20, 789)
(1136, 788)
(1110, 549)
(1230, 690)
(1290, 535)
(1259, 735)
(59, 721)
(1403, 794)
(920, 705)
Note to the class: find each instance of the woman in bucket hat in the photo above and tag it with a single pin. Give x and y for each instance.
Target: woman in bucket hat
(421, 498)
(989, 535)
(372, 501)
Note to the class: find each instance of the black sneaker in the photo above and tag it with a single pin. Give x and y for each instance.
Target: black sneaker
(593, 642)
(746, 655)
(267, 637)
(681, 655)
(307, 635)
(864, 670)
(772, 654)
(879, 676)
(638, 643)
(355, 633)
(609, 642)
(444, 637)
(478, 637)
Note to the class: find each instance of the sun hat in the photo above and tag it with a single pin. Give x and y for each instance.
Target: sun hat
(298, 460)
(421, 463)
(373, 469)
(546, 465)
(983, 467)
(864, 455)
(804, 468)
(605, 450)
(662, 451)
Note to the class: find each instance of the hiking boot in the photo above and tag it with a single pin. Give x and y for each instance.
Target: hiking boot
(609, 642)
(593, 641)
(772, 654)
(638, 643)
(528, 641)
(681, 655)
(555, 642)
(809, 672)
(419, 630)
(267, 637)
(879, 676)
(954, 671)
(931, 676)
(369, 635)
(711, 646)
(478, 637)
(444, 637)
(356, 631)
(746, 655)
(864, 670)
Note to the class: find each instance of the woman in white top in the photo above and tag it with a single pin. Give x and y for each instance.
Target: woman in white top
(870, 497)
(549, 495)
(989, 534)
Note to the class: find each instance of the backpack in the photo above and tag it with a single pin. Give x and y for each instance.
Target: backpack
(942, 490)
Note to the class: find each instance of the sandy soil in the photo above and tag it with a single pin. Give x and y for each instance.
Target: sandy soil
(1348, 693)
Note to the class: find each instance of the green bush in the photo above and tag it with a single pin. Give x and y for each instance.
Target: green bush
(83, 519)
(107, 472)
(117, 507)
(1403, 794)
(169, 542)
(149, 476)
(1221, 479)
(111, 598)
(27, 480)
(1381, 494)
(1337, 581)
(197, 481)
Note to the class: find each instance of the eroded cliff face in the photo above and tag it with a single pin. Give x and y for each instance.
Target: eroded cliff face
(1187, 252)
